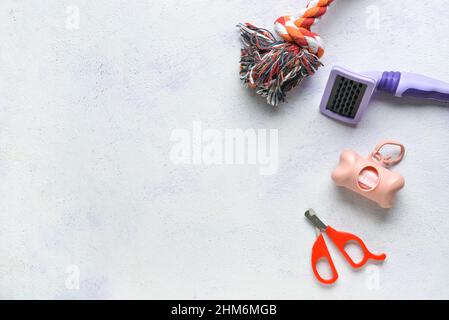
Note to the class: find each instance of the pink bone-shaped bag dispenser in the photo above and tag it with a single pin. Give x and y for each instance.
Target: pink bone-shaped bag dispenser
(369, 177)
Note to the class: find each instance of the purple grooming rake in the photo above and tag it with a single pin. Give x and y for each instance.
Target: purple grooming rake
(348, 94)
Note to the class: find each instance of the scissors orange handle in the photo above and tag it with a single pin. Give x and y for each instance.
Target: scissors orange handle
(341, 239)
(319, 253)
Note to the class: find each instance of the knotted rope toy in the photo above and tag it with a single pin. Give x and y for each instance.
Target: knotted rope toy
(273, 67)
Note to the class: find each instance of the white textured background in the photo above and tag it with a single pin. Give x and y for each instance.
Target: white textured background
(85, 176)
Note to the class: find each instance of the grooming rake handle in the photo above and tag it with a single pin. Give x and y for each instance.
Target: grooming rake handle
(404, 84)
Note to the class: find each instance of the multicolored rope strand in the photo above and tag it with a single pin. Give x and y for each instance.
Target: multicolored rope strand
(273, 67)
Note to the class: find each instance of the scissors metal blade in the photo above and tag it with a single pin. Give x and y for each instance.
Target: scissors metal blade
(311, 215)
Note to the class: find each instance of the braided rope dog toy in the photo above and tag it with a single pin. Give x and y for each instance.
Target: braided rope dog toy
(273, 67)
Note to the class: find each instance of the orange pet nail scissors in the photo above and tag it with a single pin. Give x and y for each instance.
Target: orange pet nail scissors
(340, 239)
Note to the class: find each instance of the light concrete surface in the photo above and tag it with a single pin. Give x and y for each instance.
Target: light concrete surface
(91, 206)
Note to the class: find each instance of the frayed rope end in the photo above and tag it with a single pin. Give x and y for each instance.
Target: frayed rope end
(273, 67)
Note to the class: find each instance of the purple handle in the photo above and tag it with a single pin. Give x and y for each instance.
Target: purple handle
(403, 84)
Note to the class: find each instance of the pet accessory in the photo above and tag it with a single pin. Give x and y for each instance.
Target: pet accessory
(348, 94)
(273, 67)
(370, 176)
(340, 239)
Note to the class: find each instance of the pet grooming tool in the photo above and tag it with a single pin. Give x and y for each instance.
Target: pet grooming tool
(340, 239)
(369, 177)
(348, 94)
(273, 67)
